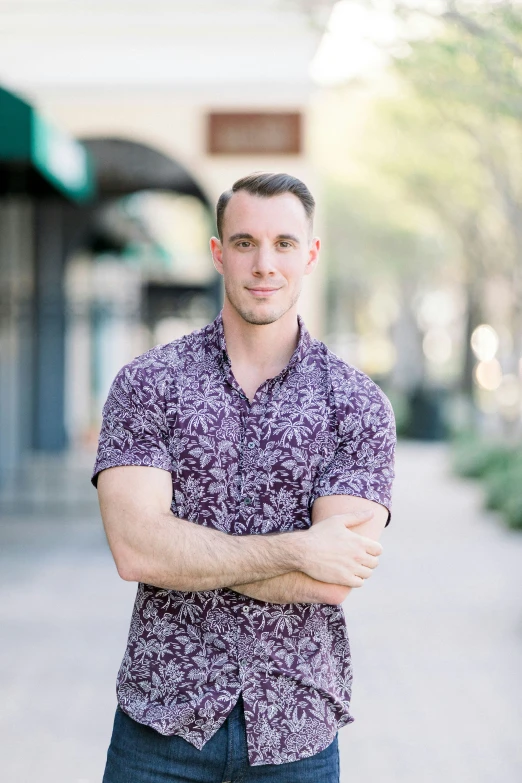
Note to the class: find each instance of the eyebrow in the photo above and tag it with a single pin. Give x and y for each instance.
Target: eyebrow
(240, 235)
(291, 237)
(279, 237)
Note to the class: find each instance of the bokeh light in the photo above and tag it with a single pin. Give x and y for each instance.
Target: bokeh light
(488, 374)
(438, 308)
(376, 354)
(383, 308)
(437, 345)
(484, 342)
(509, 396)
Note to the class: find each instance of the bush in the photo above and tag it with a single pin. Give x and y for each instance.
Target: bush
(512, 509)
(473, 457)
(499, 466)
(501, 481)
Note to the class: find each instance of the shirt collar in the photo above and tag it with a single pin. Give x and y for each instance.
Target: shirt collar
(215, 336)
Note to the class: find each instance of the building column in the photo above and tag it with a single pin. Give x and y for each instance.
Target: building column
(49, 433)
(16, 256)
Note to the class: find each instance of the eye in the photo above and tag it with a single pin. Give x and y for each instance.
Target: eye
(284, 244)
(243, 243)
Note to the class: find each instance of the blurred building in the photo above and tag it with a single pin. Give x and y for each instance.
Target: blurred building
(42, 172)
(165, 105)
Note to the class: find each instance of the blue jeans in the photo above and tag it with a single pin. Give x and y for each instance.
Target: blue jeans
(139, 754)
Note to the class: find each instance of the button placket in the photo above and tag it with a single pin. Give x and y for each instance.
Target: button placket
(244, 500)
(248, 443)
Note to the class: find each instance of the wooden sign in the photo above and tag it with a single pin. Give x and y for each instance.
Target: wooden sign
(259, 133)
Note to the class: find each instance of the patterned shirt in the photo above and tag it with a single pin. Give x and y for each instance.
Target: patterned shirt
(320, 427)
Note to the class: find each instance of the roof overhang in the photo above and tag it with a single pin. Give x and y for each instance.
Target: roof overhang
(124, 166)
(39, 159)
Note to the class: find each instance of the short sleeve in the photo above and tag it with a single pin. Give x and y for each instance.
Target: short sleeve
(364, 460)
(133, 428)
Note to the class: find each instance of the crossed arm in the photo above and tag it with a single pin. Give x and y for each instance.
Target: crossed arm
(298, 587)
(320, 565)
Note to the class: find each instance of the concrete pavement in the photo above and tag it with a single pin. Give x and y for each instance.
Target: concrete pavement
(436, 637)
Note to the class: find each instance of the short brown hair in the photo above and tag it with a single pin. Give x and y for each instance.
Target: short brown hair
(266, 185)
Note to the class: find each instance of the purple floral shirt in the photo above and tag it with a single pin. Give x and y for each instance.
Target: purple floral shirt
(321, 427)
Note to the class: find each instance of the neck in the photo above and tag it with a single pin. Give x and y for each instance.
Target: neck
(267, 346)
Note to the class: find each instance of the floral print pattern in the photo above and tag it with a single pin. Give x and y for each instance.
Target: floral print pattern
(321, 427)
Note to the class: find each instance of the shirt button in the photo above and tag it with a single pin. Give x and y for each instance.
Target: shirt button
(247, 501)
(251, 445)
(245, 609)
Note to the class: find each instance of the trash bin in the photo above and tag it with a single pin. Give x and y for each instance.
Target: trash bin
(426, 417)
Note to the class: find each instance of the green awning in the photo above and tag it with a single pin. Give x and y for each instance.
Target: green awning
(29, 143)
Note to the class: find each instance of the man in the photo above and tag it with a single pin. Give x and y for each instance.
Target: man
(244, 475)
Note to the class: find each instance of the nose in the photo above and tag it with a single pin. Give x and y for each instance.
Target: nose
(263, 262)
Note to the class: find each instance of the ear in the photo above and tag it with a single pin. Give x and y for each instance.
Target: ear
(216, 248)
(313, 255)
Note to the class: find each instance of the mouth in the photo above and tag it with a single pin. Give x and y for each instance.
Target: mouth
(261, 291)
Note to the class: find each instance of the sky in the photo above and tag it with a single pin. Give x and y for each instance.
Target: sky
(358, 38)
(354, 43)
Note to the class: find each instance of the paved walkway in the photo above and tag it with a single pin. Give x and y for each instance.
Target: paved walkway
(436, 639)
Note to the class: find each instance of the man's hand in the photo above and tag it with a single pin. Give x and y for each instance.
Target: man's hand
(335, 554)
(298, 587)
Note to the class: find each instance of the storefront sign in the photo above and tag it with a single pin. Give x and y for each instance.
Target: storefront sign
(259, 133)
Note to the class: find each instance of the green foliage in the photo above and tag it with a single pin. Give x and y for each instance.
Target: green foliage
(370, 237)
(464, 107)
(475, 458)
(441, 195)
(437, 196)
(498, 465)
(501, 480)
(512, 507)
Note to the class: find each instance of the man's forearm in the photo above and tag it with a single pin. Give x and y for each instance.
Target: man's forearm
(175, 554)
(294, 587)
(151, 545)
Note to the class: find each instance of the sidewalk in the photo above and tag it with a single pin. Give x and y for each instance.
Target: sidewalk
(436, 638)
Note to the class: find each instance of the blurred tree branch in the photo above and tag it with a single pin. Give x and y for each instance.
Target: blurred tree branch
(451, 139)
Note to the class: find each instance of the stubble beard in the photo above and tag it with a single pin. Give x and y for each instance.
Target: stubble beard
(250, 316)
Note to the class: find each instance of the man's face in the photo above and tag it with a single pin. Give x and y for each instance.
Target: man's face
(265, 253)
